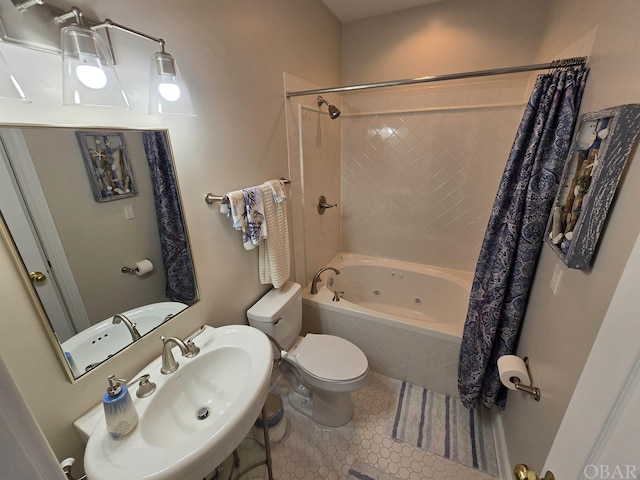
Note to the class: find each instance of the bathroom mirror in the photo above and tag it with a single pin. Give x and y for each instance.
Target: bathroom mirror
(89, 260)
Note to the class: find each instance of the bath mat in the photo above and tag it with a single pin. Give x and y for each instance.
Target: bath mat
(440, 424)
(363, 471)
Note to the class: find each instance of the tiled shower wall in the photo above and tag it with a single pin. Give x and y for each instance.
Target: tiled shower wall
(419, 187)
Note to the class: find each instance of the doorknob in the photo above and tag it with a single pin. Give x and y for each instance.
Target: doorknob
(37, 277)
(522, 472)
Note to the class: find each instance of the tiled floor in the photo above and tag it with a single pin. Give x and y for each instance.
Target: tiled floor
(309, 451)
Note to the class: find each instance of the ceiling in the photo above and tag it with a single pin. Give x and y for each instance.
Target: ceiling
(349, 10)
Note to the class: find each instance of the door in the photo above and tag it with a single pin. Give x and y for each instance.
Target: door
(18, 219)
(599, 437)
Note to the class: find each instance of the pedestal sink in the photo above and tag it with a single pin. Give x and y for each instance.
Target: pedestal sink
(197, 415)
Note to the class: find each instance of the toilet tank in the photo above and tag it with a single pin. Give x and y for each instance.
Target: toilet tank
(279, 313)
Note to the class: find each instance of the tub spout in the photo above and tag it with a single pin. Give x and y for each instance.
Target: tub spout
(316, 278)
(133, 331)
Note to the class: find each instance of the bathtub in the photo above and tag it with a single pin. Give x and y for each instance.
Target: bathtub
(407, 318)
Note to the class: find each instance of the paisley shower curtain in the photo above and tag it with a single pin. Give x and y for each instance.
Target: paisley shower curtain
(514, 235)
(176, 255)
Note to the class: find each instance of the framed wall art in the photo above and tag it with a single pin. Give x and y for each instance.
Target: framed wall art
(107, 163)
(601, 146)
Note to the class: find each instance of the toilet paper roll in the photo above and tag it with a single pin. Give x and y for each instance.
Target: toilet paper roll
(510, 367)
(143, 267)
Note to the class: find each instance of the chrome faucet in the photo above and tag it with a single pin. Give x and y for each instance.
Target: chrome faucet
(316, 278)
(187, 348)
(135, 334)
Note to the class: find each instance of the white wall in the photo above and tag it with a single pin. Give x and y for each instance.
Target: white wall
(232, 55)
(446, 37)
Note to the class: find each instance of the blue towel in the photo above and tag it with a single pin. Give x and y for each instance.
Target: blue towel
(256, 225)
(233, 206)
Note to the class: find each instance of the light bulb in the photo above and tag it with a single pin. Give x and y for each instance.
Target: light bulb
(17, 86)
(169, 91)
(91, 76)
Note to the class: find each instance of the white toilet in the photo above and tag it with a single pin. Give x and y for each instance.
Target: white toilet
(323, 369)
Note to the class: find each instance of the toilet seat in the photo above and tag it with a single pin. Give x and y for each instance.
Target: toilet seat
(329, 358)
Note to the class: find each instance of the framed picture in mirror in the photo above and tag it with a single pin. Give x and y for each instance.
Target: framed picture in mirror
(601, 146)
(107, 162)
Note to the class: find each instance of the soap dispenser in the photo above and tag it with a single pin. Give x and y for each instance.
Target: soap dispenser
(119, 412)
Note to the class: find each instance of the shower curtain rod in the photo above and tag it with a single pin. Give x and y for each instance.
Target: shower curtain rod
(565, 62)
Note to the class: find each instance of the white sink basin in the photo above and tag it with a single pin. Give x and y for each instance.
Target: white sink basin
(229, 379)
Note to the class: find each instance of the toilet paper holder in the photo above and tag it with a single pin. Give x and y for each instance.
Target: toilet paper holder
(530, 389)
(139, 268)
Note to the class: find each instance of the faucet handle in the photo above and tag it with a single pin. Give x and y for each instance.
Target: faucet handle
(196, 333)
(145, 388)
(193, 348)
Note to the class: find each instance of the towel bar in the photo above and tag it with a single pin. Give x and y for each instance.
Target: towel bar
(210, 198)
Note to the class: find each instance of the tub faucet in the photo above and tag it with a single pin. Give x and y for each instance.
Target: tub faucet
(120, 317)
(316, 278)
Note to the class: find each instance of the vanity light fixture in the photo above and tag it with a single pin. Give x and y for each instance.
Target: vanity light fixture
(168, 93)
(10, 89)
(89, 76)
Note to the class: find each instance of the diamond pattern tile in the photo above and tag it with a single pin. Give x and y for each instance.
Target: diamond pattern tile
(420, 186)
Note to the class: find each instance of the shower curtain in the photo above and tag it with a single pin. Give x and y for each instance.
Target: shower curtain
(176, 255)
(514, 235)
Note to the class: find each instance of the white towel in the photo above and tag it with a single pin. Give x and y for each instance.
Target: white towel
(274, 252)
(279, 193)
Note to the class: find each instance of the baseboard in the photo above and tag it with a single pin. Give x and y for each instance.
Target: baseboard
(502, 454)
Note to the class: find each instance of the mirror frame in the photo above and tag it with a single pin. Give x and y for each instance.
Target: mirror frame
(7, 238)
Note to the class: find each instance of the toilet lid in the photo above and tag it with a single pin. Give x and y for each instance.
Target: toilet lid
(331, 358)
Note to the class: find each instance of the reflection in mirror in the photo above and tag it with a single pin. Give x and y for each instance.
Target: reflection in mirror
(97, 221)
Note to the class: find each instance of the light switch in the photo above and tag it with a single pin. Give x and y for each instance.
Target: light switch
(555, 279)
(129, 214)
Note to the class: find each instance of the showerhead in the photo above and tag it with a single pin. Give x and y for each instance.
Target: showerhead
(334, 112)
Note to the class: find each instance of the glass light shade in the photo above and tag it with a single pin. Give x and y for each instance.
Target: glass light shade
(168, 94)
(10, 89)
(88, 73)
